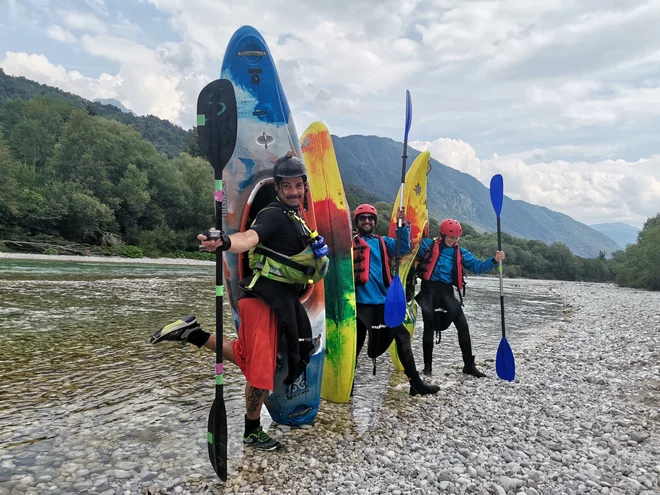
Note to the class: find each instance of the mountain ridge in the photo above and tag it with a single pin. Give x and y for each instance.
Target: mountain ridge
(373, 163)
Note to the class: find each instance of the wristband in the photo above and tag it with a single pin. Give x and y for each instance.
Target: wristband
(226, 242)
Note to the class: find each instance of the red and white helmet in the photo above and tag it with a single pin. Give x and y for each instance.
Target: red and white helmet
(451, 228)
(360, 210)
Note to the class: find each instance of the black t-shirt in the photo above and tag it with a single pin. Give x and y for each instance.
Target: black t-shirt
(278, 231)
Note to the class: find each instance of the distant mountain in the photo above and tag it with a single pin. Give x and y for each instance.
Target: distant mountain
(621, 233)
(371, 163)
(116, 103)
(164, 135)
(374, 164)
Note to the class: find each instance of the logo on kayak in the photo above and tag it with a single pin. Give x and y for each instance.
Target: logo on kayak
(418, 189)
(297, 388)
(305, 142)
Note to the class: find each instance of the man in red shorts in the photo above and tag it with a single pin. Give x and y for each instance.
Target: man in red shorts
(271, 301)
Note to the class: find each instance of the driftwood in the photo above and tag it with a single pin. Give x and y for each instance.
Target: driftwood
(40, 247)
(111, 240)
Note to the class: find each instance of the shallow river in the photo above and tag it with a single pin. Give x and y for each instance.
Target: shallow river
(76, 367)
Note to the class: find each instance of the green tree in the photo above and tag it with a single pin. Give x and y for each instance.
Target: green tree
(97, 152)
(133, 195)
(564, 263)
(34, 127)
(595, 270)
(191, 144)
(641, 266)
(86, 217)
(9, 196)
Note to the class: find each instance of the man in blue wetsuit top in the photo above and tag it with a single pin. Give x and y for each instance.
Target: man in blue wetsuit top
(371, 264)
(441, 263)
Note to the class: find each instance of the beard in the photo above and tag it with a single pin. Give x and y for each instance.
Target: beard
(368, 230)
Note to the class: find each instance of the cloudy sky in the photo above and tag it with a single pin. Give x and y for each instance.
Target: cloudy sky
(561, 97)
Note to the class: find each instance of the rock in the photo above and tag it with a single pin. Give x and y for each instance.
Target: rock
(498, 489)
(638, 437)
(444, 485)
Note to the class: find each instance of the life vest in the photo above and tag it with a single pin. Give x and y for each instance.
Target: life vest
(430, 260)
(362, 260)
(302, 268)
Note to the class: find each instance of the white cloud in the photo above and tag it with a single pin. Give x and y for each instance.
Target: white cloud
(38, 67)
(83, 21)
(98, 5)
(144, 84)
(566, 93)
(590, 192)
(350, 62)
(13, 6)
(58, 33)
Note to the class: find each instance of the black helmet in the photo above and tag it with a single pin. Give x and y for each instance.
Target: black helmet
(288, 167)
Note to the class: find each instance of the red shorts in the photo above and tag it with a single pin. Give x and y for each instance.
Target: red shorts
(255, 349)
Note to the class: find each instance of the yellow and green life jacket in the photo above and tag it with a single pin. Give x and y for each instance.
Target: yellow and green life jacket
(302, 268)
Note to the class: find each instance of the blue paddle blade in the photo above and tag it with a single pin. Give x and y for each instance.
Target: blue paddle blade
(395, 303)
(408, 113)
(497, 193)
(505, 365)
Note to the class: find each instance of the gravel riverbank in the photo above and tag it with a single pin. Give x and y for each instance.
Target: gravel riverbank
(582, 417)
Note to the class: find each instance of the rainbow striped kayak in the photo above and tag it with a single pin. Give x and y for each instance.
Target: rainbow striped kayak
(333, 221)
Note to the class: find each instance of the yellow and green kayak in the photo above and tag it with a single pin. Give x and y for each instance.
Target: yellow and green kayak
(333, 221)
(414, 201)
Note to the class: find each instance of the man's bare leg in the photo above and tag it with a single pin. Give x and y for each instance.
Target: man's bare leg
(254, 400)
(254, 397)
(185, 330)
(227, 348)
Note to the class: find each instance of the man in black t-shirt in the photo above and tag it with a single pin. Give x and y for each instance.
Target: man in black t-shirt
(277, 230)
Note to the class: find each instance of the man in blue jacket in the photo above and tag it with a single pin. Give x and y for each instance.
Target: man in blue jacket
(371, 265)
(441, 263)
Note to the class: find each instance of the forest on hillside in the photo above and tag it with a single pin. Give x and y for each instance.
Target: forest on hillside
(76, 181)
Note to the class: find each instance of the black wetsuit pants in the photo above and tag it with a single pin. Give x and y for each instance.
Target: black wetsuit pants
(440, 308)
(381, 338)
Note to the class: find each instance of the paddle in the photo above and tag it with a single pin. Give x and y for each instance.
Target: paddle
(395, 301)
(217, 124)
(505, 365)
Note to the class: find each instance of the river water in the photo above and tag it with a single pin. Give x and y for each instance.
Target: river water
(78, 374)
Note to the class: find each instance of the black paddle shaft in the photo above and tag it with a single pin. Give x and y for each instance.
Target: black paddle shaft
(397, 258)
(217, 124)
(499, 248)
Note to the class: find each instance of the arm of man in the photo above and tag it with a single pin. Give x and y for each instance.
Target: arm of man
(264, 227)
(390, 242)
(239, 242)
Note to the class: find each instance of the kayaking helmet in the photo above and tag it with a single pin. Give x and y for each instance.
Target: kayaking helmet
(362, 209)
(289, 167)
(451, 228)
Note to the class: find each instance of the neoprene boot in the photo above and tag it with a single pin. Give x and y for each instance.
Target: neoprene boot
(418, 387)
(428, 357)
(470, 368)
(185, 329)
